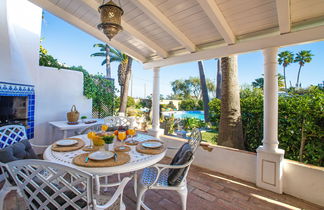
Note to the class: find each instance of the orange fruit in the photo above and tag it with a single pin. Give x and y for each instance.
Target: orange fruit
(116, 132)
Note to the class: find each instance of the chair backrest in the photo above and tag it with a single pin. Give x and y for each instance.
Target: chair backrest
(116, 121)
(11, 134)
(195, 139)
(47, 185)
(96, 127)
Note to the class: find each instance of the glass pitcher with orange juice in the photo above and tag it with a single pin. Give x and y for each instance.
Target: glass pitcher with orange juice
(91, 135)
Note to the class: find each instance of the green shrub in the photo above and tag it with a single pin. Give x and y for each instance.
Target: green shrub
(214, 111)
(301, 116)
(191, 122)
(190, 105)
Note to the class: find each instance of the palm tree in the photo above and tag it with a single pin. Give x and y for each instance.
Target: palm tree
(230, 126)
(124, 74)
(259, 82)
(219, 80)
(285, 58)
(104, 52)
(302, 57)
(204, 90)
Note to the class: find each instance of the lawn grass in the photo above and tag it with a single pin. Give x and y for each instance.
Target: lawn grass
(210, 136)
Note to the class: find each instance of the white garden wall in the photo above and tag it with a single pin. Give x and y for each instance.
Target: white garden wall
(56, 92)
(302, 181)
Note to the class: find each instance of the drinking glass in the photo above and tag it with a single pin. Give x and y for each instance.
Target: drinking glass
(132, 132)
(91, 135)
(104, 128)
(122, 136)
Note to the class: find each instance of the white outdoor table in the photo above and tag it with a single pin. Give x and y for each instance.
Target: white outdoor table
(64, 127)
(137, 161)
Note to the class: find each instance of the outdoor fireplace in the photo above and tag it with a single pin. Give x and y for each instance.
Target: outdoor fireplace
(17, 106)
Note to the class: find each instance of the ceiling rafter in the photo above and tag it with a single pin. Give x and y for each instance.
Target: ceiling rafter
(131, 30)
(284, 16)
(217, 18)
(158, 17)
(54, 9)
(243, 46)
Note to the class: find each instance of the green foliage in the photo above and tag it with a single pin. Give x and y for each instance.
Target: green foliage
(130, 101)
(109, 139)
(168, 123)
(300, 114)
(285, 58)
(188, 88)
(97, 87)
(48, 60)
(170, 105)
(191, 123)
(190, 105)
(214, 111)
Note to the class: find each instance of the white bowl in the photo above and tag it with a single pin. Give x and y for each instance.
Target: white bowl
(101, 155)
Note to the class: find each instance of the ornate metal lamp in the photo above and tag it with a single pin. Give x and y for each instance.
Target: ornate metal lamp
(110, 15)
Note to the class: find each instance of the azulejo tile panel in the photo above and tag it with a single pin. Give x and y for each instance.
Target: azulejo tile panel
(14, 89)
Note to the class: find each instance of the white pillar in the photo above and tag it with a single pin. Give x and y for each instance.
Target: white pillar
(269, 157)
(156, 131)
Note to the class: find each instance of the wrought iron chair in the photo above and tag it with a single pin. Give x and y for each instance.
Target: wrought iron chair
(194, 140)
(156, 177)
(116, 121)
(48, 185)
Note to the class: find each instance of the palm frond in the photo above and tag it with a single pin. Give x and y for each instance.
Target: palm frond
(99, 54)
(99, 45)
(104, 62)
(115, 59)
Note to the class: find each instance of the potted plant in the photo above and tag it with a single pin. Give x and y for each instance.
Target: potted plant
(108, 139)
(83, 118)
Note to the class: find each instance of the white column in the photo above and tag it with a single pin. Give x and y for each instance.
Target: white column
(156, 131)
(269, 157)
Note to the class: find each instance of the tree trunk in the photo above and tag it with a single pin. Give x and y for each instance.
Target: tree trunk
(123, 99)
(297, 83)
(204, 90)
(230, 128)
(108, 69)
(284, 70)
(302, 142)
(219, 81)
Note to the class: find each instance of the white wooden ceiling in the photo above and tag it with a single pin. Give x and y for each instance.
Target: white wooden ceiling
(166, 32)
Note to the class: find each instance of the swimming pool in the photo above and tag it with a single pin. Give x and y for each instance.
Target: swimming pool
(186, 114)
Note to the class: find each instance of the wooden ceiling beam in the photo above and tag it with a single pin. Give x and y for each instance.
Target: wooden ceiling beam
(158, 17)
(284, 15)
(244, 46)
(59, 12)
(131, 30)
(217, 18)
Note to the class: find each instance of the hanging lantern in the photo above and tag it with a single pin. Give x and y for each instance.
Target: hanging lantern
(110, 15)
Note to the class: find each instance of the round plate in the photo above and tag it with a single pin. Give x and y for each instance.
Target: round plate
(66, 142)
(152, 144)
(101, 155)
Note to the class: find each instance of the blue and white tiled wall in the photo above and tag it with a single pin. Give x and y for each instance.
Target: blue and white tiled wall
(12, 89)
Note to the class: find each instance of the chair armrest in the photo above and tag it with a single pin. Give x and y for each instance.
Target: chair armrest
(39, 146)
(173, 148)
(117, 193)
(161, 167)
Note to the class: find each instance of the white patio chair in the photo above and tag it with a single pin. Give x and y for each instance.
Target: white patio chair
(47, 185)
(194, 140)
(156, 177)
(116, 121)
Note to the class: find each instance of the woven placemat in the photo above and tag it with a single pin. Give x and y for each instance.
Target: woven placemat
(131, 143)
(93, 149)
(122, 158)
(74, 147)
(144, 150)
(125, 149)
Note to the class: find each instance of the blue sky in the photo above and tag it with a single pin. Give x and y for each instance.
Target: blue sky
(73, 47)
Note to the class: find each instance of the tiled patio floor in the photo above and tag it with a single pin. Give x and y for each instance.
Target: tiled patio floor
(208, 190)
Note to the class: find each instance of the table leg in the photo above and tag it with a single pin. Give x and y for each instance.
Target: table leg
(135, 183)
(97, 182)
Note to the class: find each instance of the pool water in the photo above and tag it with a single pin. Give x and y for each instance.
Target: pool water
(186, 114)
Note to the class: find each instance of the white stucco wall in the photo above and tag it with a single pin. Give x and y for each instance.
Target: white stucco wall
(300, 180)
(56, 92)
